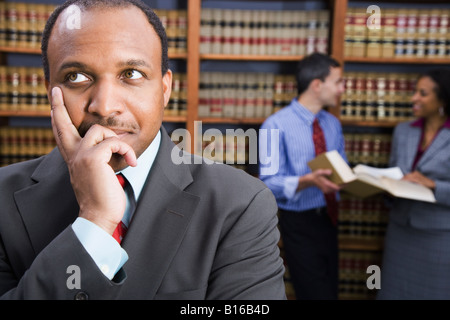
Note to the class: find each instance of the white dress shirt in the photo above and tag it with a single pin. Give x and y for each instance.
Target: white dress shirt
(101, 246)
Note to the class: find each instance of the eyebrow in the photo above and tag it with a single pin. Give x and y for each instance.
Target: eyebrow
(77, 65)
(133, 63)
(129, 63)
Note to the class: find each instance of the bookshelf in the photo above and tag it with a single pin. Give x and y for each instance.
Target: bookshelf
(362, 229)
(193, 60)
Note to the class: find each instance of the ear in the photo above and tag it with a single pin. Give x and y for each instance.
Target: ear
(316, 85)
(167, 86)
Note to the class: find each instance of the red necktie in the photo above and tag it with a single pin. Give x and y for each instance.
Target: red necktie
(320, 147)
(121, 229)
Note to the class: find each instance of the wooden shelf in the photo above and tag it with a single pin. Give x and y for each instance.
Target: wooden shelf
(20, 50)
(177, 55)
(43, 114)
(232, 120)
(402, 60)
(249, 57)
(362, 123)
(23, 113)
(361, 244)
(174, 119)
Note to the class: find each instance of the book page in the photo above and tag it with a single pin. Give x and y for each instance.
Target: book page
(393, 173)
(408, 190)
(341, 166)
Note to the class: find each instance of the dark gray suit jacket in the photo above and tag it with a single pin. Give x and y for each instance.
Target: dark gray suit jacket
(198, 232)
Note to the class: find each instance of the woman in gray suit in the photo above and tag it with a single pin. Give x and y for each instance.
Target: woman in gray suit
(416, 261)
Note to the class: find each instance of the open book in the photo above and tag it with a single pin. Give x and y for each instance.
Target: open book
(365, 181)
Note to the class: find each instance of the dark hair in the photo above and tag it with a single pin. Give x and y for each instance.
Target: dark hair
(88, 4)
(314, 66)
(441, 77)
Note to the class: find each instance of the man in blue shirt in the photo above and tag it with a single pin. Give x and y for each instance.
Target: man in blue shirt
(309, 235)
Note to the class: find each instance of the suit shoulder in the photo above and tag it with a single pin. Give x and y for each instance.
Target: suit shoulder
(222, 181)
(404, 127)
(227, 176)
(19, 169)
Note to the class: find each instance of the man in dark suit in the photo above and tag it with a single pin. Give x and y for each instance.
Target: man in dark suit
(192, 231)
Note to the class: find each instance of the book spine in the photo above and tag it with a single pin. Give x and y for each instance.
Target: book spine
(388, 23)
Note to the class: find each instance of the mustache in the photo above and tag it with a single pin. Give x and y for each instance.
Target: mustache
(107, 123)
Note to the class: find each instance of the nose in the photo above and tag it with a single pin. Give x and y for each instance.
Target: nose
(415, 97)
(105, 99)
(341, 87)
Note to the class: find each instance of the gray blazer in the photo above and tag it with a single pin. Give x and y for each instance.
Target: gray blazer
(435, 164)
(198, 232)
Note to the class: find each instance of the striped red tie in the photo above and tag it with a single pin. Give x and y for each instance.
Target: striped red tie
(121, 229)
(320, 147)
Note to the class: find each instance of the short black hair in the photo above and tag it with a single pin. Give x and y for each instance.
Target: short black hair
(90, 4)
(441, 77)
(314, 66)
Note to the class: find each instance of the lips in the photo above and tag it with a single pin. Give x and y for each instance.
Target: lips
(416, 107)
(120, 132)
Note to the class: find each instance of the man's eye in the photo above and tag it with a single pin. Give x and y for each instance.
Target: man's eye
(77, 78)
(132, 74)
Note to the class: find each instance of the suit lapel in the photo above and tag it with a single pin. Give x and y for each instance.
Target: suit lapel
(156, 230)
(159, 224)
(439, 143)
(413, 140)
(49, 205)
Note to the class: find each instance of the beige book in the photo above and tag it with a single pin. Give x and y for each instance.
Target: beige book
(365, 181)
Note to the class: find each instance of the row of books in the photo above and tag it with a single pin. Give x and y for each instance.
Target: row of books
(377, 96)
(22, 24)
(362, 219)
(175, 23)
(24, 143)
(402, 33)
(263, 32)
(353, 274)
(177, 105)
(226, 150)
(371, 149)
(361, 148)
(23, 89)
(244, 95)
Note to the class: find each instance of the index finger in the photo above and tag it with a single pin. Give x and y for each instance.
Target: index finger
(66, 135)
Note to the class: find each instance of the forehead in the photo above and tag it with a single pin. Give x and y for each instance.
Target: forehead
(426, 82)
(103, 33)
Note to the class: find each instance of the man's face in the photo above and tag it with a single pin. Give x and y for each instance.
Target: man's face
(332, 88)
(109, 71)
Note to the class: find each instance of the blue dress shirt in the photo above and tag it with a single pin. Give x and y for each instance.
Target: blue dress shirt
(296, 148)
(101, 246)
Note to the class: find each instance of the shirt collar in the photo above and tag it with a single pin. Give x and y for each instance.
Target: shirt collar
(136, 176)
(304, 113)
(421, 122)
